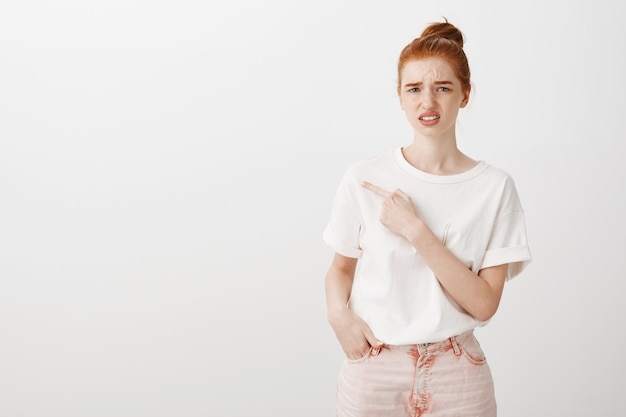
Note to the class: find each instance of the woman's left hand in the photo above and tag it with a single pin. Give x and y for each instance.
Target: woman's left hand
(398, 213)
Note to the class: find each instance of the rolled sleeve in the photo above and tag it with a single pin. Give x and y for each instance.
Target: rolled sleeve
(342, 233)
(332, 239)
(517, 257)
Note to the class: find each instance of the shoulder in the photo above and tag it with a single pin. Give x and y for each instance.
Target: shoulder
(355, 174)
(497, 175)
(502, 187)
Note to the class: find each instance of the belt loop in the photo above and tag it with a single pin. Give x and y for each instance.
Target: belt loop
(455, 346)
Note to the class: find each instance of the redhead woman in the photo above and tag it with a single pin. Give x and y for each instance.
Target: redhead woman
(425, 238)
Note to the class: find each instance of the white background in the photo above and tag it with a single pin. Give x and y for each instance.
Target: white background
(167, 169)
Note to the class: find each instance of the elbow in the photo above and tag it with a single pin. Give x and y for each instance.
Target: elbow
(485, 303)
(483, 316)
(485, 312)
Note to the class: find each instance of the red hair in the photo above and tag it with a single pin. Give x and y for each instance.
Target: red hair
(439, 40)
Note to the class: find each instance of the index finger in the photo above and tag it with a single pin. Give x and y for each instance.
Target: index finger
(375, 189)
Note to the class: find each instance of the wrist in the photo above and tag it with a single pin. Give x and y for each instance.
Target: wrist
(415, 230)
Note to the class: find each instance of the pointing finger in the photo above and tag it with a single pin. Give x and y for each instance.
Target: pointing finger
(375, 189)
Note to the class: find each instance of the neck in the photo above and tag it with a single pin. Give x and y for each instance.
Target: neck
(437, 155)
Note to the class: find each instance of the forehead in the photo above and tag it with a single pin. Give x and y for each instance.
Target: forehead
(427, 70)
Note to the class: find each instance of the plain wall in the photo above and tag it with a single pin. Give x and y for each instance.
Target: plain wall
(167, 169)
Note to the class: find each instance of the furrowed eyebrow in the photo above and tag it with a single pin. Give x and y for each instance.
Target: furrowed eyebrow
(419, 83)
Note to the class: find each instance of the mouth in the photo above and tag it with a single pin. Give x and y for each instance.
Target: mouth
(429, 118)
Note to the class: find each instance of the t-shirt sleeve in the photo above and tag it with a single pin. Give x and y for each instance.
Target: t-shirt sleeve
(343, 229)
(508, 243)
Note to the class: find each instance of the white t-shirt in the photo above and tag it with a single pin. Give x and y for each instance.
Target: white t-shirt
(477, 215)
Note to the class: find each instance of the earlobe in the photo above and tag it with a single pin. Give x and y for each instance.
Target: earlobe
(466, 98)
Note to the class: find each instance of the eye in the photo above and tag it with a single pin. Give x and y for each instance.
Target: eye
(413, 90)
(443, 89)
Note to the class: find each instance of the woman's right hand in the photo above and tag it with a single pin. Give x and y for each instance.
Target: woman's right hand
(353, 334)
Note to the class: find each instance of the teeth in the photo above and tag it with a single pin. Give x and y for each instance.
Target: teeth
(429, 118)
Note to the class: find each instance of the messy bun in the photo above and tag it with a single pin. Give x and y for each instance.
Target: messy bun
(440, 40)
(444, 30)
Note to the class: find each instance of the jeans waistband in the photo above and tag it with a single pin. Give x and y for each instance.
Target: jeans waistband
(444, 345)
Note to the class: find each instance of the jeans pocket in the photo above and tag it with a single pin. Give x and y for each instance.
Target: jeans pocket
(471, 350)
(362, 359)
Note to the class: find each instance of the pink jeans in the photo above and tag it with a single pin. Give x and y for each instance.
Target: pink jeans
(449, 378)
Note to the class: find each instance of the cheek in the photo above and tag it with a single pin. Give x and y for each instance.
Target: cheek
(407, 102)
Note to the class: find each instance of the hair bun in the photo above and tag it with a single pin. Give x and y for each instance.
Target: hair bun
(444, 30)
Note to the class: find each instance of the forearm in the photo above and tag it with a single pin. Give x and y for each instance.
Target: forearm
(338, 288)
(478, 296)
(352, 332)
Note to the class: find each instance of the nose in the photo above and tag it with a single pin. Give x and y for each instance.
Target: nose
(428, 100)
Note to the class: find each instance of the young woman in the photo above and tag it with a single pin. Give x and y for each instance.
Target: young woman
(425, 238)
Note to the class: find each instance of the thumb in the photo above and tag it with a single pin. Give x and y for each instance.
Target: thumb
(403, 195)
(371, 339)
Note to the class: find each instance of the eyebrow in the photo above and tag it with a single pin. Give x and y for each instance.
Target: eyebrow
(419, 83)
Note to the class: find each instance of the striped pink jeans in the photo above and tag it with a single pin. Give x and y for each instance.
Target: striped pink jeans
(444, 379)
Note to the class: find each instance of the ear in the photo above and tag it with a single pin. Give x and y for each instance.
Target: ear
(466, 97)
